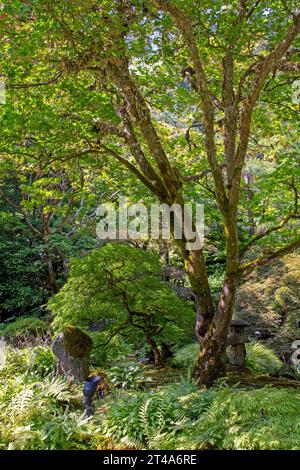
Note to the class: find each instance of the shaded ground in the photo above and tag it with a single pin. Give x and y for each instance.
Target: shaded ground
(270, 301)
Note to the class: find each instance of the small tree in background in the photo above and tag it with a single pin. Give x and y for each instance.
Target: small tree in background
(122, 285)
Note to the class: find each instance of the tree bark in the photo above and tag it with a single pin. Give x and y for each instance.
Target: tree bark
(210, 365)
(211, 362)
(195, 268)
(52, 284)
(156, 352)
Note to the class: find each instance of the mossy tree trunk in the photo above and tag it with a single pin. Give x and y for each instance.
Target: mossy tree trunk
(158, 362)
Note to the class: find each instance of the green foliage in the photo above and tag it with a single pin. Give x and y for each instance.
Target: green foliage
(25, 325)
(114, 352)
(33, 362)
(269, 301)
(42, 223)
(183, 417)
(251, 420)
(122, 285)
(66, 430)
(216, 279)
(63, 147)
(186, 356)
(18, 269)
(38, 410)
(42, 361)
(143, 419)
(125, 375)
(262, 359)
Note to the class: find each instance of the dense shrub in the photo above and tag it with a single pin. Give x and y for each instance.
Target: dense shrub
(262, 360)
(186, 356)
(122, 287)
(25, 331)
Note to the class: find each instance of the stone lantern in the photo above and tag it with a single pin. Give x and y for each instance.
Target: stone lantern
(236, 341)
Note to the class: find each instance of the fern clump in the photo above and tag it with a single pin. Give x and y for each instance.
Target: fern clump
(262, 360)
(154, 419)
(37, 409)
(183, 417)
(247, 420)
(186, 356)
(42, 361)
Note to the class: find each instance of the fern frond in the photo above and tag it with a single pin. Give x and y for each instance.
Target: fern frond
(58, 389)
(23, 438)
(132, 443)
(22, 404)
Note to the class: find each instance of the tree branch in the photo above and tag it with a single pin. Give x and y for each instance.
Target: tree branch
(30, 85)
(262, 70)
(252, 9)
(201, 175)
(129, 166)
(185, 26)
(282, 224)
(269, 256)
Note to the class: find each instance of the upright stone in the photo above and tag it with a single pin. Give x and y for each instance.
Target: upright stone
(72, 349)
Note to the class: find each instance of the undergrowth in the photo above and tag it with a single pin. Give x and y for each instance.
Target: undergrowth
(262, 360)
(222, 418)
(39, 410)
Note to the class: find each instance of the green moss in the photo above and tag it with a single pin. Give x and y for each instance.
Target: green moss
(76, 342)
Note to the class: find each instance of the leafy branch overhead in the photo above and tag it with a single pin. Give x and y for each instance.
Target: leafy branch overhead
(167, 101)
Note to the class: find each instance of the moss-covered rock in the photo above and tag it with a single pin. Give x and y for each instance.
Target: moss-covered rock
(72, 350)
(76, 342)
